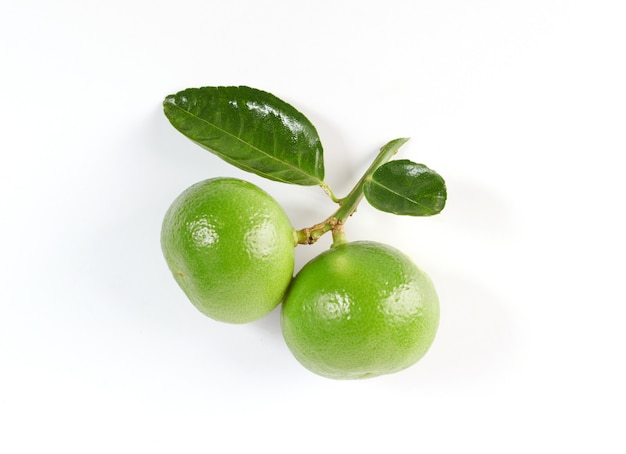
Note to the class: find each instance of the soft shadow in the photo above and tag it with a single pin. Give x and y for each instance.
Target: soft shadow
(477, 342)
(479, 210)
(478, 331)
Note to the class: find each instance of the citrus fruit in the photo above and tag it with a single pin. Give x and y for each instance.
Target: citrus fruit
(230, 247)
(359, 310)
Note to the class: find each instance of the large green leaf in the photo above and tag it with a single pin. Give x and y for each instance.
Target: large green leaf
(404, 187)
(251, 129)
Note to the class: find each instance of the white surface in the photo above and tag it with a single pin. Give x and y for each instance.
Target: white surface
(519, 105)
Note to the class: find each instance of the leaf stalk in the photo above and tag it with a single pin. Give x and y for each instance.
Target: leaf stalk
(348, 204)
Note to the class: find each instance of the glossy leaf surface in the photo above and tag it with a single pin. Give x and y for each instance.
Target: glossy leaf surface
(406, 188)
(251, 129)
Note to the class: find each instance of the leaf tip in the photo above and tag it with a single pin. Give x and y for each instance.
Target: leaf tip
(402, 140)
(169, 99)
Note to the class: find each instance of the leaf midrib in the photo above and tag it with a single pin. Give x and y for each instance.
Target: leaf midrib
(230, 134)
(425, 207)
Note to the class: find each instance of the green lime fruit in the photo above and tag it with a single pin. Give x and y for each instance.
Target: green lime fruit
(230, 247)
(360, 310)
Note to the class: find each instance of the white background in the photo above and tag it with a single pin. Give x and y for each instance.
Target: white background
(520, 105)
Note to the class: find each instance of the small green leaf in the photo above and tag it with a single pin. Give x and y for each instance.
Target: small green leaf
(251, 129)
(406, 188)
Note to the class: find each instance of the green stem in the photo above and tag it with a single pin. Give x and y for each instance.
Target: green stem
(349, 203)
(329, 192)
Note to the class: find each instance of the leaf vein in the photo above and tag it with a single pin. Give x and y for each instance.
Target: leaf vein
(246, 143)
(402, 196)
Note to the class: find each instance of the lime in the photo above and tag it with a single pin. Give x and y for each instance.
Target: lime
(230, 247)
(361, 309)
